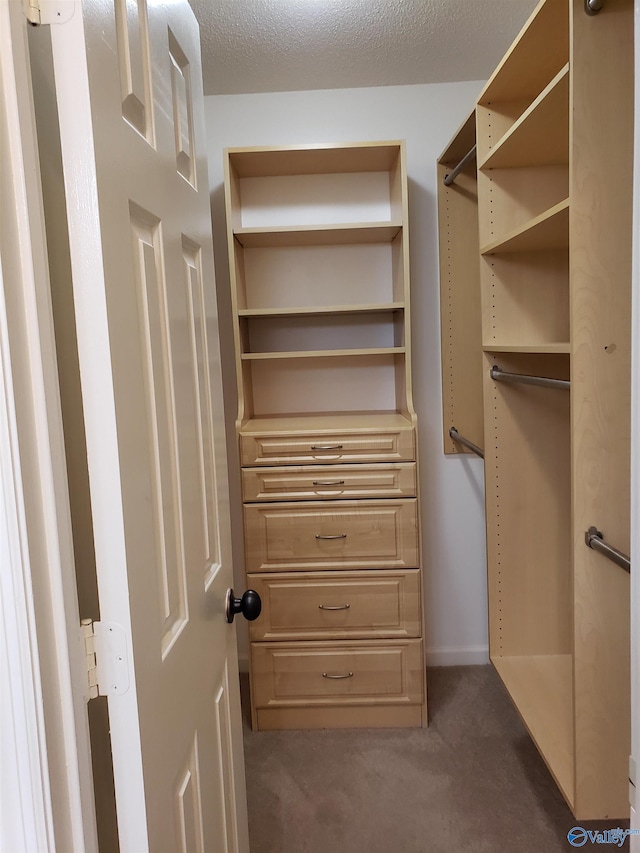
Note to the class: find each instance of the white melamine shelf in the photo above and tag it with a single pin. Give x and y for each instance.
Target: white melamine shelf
(549, 230)
(320, 311)
(541, 687)
(540, 137)
(556, 347)
(334, 353)
(318, 235)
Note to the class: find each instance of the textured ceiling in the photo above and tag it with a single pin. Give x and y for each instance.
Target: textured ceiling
(290, 45)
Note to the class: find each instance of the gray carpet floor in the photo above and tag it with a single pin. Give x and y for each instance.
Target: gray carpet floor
(473, 782)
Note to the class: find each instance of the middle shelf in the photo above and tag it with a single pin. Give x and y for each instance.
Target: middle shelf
(338, 353)
(319, 311)
(547, 230)
(313, 333)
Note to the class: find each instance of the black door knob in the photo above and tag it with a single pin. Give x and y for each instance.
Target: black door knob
(249, 605)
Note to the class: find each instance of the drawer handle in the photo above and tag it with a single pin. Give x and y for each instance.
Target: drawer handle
(334, 606)
(326, 675)
(328, 482)
(333, 536)
(326, 447)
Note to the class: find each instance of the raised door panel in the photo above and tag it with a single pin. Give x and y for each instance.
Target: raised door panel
(132, 29)
(337, 605)
(333, 481)
(331, 534)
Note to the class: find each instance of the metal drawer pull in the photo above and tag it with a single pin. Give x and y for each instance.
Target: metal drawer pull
(326, 675)
(334, 536)
(328, 482)
(326, 447)
(334, 606)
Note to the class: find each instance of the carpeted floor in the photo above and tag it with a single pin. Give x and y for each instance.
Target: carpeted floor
(473, 782)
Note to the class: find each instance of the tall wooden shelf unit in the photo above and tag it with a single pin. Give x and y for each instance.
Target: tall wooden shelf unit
(554, 128)
(319, 255)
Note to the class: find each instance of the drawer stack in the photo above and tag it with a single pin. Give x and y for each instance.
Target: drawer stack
(332, 547)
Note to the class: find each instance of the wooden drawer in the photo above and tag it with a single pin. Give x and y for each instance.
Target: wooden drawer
(331, 535)
(324, 674)
(393, 445)
(337, 605)
(332, 481)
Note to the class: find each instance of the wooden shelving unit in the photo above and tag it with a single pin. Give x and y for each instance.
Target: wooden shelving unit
(554, 192)
(319, 257)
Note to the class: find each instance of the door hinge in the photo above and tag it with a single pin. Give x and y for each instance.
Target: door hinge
(42, 12)
(107, 666)
(86, 627)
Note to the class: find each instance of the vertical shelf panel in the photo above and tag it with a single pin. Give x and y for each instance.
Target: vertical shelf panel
(600, 233)
(460, 318)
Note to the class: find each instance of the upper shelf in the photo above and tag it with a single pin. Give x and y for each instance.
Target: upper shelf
(318, 235)
(549, 230)
(536, 56)
(540, 137)
(461, 143)
(315, 187)
(314, 159)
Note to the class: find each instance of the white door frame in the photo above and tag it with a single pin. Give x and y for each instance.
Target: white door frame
(45, 767)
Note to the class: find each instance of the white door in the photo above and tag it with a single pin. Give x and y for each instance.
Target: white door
(129, 91)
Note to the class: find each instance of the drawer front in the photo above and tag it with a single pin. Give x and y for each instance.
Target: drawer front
(331, 535)
(337, 605)
(332, 481)
(317, 674)
(385, 446)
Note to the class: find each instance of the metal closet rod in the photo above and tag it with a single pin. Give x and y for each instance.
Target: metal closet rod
(595, 540)
(592, 7)
(525, 379)
(450, 177)
(455, 435)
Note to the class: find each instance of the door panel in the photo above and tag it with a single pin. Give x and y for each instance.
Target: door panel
(131, 117)
(135, 69)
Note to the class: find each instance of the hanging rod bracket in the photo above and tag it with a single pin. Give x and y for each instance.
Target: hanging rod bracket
(455, 436)
(594, 539)
(592, 7)
(450, 177)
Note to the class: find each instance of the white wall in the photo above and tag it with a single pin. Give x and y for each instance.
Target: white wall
(452, 489)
